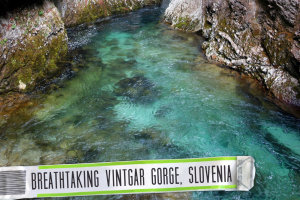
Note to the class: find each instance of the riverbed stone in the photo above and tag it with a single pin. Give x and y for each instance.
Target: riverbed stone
(259, 38)
(137, 89)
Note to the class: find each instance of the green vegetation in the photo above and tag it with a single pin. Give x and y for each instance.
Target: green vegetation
(94, 11)
(185, 23)
(38, 62)
(41, 13)
(3, 42)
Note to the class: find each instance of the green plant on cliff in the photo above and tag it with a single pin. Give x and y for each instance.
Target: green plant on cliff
(41, 13)
(3, 42)
(185, 23)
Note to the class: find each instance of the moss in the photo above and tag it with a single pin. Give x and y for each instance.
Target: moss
(277, 49)
(103, 8)
(122, 7)
(185, 23)
(225, 26)
(152, 2)
(207, 25)
(91, 12)
(3, 42)
(41, 13)
(34, 61)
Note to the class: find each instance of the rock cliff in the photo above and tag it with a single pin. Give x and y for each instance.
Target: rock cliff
(31, 42)
(258, 37)
(33, 36)
(75, 12)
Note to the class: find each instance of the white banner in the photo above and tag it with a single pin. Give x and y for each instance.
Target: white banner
(128, 177)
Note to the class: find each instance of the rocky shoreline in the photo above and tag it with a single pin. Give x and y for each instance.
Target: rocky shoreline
(33, 40)
(259, 38)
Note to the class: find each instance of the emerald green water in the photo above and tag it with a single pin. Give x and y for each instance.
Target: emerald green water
(144, 91)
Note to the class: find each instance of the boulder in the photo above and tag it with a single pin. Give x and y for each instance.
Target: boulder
(32, 41)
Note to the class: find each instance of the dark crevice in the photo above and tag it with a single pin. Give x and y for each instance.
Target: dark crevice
(12, 5)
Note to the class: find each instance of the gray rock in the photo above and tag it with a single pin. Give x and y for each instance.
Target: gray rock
(259, 38)
(75, 12)
(32, 41)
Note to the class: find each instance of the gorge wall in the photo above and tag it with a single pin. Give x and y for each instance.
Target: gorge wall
(75, 12)
(32, 41)
(258, 37)
(33, 36)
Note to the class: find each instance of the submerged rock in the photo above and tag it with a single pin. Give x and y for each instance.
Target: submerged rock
(162, 196)
(162, 112)
(258, 38)
(137, 89)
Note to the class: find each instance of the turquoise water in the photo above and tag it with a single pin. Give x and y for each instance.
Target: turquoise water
(141, 90)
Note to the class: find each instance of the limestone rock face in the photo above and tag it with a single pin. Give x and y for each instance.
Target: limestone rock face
(31, 43)
(258, 37)
(75, 12)
(185, 14)
(33, 38)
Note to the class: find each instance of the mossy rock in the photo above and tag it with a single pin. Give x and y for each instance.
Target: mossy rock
(89, 11)
(187, 24)
(32, 57)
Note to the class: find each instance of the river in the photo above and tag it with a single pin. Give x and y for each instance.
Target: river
(141, 90)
